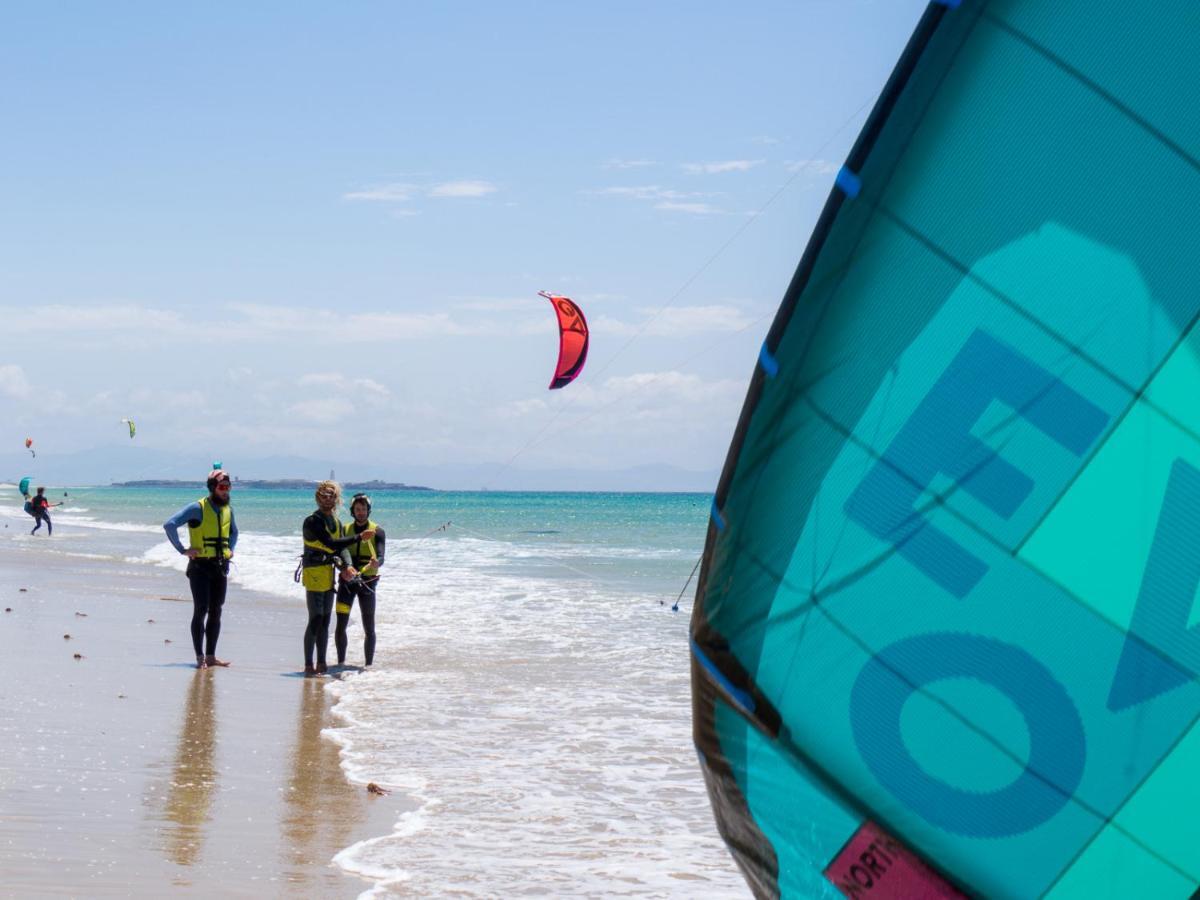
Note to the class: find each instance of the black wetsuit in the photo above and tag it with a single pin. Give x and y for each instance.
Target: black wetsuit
(320, 603)
(209, 581)
(40, 508)
(365, 592)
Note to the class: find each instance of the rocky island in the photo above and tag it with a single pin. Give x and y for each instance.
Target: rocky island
(281, 484)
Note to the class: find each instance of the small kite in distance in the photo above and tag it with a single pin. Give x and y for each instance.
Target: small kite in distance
(132, 427)
(29, 447)
(572, 339)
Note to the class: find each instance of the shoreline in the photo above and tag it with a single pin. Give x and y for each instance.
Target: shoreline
(128, 769)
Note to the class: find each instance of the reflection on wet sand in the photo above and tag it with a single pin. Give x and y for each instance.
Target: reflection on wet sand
(322, 809)
(193, 776)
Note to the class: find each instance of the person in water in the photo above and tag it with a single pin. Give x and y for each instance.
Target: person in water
(325, 549)
(39, 508)
(367, 557)
(212, 537)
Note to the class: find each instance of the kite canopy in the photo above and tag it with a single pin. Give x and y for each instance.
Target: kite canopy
(29, 446)
(573, 340)
(132, 427)
(23, 487)
(942, 640)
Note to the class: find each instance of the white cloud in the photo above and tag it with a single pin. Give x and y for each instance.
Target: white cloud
(716, 168)
(678, 321)
(668, 411)
(764, 139)
(812, 166)
(535, 406)
(679, 385)
(463, 189)
(396, 192)
(261, 321)
(13, 382)
(629, 163)
(401, 193)
(649, 192)
(667, 199)
(323, 411)
(108, 318)
(336, 381)
(499, 304)
(702, 209)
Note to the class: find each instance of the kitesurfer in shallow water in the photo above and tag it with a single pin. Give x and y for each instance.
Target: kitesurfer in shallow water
(212, 536)
(325, 549)
(367, 557)
(39, 508)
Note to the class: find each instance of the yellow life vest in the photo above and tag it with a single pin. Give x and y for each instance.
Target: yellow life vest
(363, 553)
(211, 536)
(319, 577)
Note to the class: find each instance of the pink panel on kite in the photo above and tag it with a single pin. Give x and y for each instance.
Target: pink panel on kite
(573, 340)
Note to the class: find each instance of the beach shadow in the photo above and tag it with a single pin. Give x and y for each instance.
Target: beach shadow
(321, 809)
(172, 665)
(188, 805)
(334, 672)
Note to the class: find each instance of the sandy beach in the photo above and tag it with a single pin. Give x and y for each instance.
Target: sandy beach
(528, 708)
(128, 772)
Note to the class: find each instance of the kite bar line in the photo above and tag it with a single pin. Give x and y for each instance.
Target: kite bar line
(433, 531)
(675, 606)
(750, 220)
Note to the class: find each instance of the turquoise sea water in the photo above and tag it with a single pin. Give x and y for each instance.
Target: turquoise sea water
(531, 687)
(636, 542)
(658, 520)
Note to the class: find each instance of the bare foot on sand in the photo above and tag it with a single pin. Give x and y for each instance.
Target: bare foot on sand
(200, 663)
(213, 661)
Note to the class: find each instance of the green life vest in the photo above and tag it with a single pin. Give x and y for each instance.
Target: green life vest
(211, 536)
(318, 576)
(363, 553)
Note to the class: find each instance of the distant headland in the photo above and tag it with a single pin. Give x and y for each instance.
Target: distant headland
(300, 484)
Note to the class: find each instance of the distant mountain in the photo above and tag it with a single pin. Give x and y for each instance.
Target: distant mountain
(279, 484)
(130, 462)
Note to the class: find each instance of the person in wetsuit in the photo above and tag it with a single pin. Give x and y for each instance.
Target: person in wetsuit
(367, 557)
(212, 535)
(39, 508)
(324, 550)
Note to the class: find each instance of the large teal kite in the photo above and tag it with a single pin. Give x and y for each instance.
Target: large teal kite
(943, 641)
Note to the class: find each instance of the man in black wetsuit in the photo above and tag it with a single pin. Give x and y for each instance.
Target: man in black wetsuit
(324, 550)
(212, 536)
(367, 557)
(39, 508)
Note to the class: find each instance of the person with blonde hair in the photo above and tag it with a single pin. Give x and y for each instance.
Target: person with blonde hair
(325, 550)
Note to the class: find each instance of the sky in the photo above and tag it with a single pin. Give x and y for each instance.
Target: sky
(317, 231)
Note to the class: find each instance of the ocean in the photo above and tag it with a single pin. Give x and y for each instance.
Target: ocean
(530, 691)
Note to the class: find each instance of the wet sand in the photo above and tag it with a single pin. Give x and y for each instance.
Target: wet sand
(129, 772)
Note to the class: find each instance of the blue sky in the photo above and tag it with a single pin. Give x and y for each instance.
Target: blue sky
(271, 228)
